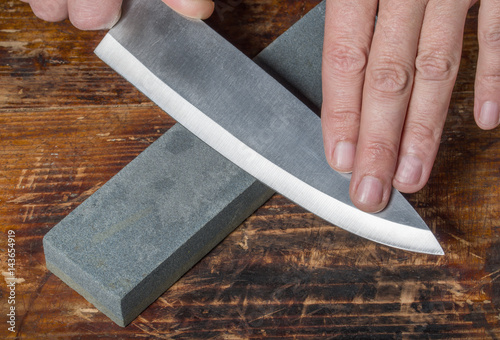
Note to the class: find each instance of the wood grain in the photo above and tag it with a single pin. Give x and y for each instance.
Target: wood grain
(68, 123)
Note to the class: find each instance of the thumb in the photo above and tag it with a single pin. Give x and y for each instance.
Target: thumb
(197, 9)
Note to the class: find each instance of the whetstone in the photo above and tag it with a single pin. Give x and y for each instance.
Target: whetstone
(141, 231)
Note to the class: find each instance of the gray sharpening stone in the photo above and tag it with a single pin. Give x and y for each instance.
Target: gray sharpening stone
(141, 231)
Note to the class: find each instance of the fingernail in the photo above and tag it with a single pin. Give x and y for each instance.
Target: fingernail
(112, 23)
(409, 170)
(370, 191)
(192, 9)
(490, 115)
(343, 156)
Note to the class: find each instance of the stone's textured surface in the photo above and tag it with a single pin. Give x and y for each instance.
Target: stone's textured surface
(149, 224)
(294, 57)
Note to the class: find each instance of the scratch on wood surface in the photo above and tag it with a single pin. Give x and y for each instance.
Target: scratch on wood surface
(23, 173)
(267, 314)
(244, 243)
(145, 326)
(31, 302)
(233, 337)
(90, 191)
(24, 198)
(409, 293)
(164, 302)
(460, 239)
(479, 257)
(30, 180)
(85, 313)
(493, 276)
(28, 215)
(80, 174)
(14, 45)
(305, 306)
(89, 310)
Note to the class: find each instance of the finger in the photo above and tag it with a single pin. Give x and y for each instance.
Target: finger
(94, 14)
(197, 9)
(50, 10)
(348, 34)
(386, 93)
(487, 87)
(437, 64)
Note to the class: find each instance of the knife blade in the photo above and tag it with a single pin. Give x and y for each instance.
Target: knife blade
(237, 108)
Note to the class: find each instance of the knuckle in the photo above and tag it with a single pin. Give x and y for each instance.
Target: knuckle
(390, 78)
(424, 135)
(343, 120)
(346, 59)
(490, 37)
(435, 66)
(343, 115)
(490, 79)
(378, 152)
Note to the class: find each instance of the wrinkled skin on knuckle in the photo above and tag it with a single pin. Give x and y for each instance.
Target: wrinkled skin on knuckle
(344, 59)
(423, 137)
(390, 78)
(490, 37)
(436, 66)
(342, 120)
(490, 79)
(381, 149)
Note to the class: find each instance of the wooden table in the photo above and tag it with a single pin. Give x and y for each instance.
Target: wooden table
(68, 123)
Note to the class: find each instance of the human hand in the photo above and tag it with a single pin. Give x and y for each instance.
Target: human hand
(103, 14)
(386, 91)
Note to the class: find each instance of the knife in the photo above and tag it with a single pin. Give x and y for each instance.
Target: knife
(237, 108)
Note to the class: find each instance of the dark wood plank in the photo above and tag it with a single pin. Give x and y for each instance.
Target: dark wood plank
(68, 123)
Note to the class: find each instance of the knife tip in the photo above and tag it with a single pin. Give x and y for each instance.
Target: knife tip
(440, 252)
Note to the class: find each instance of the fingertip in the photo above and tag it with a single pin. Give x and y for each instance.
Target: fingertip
(487, 85)
(410, 176)
(342, 157)
(370, 194)
(488, 116)
(52, 12)
(195, 9)
(94, 14)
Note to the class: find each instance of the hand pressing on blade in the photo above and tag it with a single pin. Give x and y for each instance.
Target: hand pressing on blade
(387, 87)
(104, 14)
